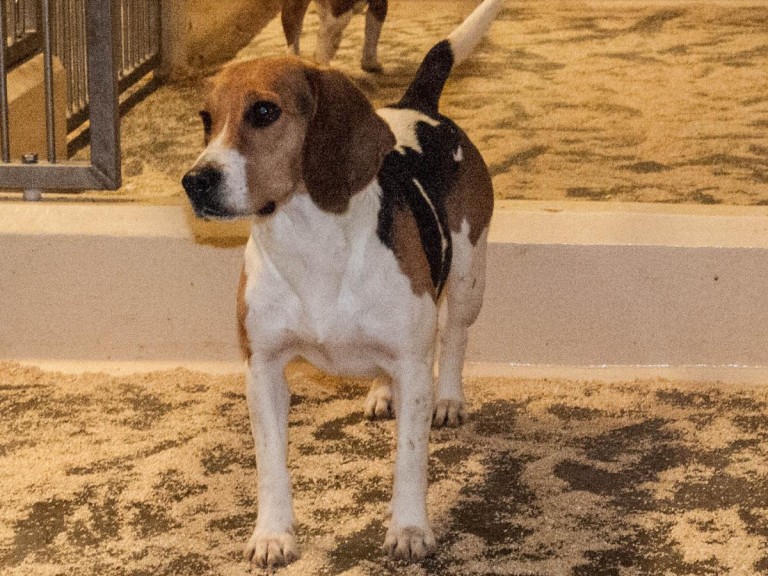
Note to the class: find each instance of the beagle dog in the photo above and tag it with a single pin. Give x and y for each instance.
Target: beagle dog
(335, 16)
(367, 227)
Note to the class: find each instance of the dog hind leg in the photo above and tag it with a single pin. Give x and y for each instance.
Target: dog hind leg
(463, 299)
(378, 404)
(373, 25)
(292, 17)
(329, 34)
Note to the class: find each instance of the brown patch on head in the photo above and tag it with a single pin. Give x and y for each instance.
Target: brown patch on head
(242, 315)
(346, 141)
(471, 199)
(271, 152)
(326, 136)
(409, 252)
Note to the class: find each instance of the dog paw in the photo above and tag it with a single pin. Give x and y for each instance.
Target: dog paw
(410, 543)
(378, 404)
(268, 550)
(448, 413)
(372, 66)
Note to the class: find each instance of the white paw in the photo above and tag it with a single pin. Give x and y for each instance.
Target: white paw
(410, 543)
(378, 404)
(269, 549)
(448, 413)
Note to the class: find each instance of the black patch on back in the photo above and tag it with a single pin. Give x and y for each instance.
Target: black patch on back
(435, 169)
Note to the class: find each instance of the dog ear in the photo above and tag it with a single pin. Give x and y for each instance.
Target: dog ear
(346, 141)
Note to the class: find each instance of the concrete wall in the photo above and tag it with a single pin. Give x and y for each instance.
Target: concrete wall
(595, 286)
(199, 35)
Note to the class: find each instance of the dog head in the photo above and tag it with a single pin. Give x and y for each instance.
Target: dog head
(277, 127)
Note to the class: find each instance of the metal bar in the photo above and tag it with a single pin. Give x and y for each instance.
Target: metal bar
(125, 46)
(50, 120)
(126, 31)
(131, 33)
(82, 54)
(73, 47)
(66, 54)
(4, 139)
(147, 27)
(78, 57)
(142, 30)
(62, 176)
(102, 28)
(14, 20)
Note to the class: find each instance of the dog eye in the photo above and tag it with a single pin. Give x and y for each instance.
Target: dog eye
(261, 114)
(205, 116)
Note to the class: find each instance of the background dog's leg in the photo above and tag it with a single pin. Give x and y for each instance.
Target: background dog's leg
(292, 17)
(378, 404)
(268, 398)
(464, 296)
(373, 25)
(409, 536)
(329, 34)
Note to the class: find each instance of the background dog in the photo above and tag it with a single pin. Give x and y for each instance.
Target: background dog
(334, 18)
(367, 224)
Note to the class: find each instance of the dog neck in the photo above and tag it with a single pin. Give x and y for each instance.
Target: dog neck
(301, 238)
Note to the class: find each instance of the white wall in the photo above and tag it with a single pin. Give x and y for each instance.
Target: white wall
(638, 287)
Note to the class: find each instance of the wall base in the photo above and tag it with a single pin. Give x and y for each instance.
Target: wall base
(625, 288)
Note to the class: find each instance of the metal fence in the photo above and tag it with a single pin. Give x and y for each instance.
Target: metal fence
(23, 37)
(139, 47)
(104, 47)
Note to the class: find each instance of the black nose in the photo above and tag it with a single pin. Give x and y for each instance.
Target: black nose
(200, 182)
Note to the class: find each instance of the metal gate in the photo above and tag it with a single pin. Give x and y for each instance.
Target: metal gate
(104, 45)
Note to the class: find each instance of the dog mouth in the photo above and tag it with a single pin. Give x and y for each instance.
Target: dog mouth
(267, 209)
(212, 213)
(208, 212)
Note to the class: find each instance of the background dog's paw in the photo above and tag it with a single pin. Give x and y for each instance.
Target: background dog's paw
(268, 549)
(378, 404)
(371, 66)
(410, 543)
(448, 413)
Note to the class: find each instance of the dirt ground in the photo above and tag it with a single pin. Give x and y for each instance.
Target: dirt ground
(155, 475)
(643, 101)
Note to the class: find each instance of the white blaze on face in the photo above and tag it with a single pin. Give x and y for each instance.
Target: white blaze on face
(233, 189)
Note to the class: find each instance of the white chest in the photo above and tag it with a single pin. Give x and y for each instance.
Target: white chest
(324, 287)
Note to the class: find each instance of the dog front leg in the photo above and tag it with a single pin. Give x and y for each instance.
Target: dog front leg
(292, 17)
(409, 536)
(329, 33)
(268, 398)
(373, 25)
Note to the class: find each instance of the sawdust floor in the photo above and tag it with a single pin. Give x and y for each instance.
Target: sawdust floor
(154, 475)
(642, 101)
(637, 101)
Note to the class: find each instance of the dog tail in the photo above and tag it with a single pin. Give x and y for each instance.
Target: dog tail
(426, 87)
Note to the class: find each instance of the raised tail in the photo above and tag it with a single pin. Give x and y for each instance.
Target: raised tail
(426, 87)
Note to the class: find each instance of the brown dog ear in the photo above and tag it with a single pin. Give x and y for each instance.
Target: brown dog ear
(346, 141)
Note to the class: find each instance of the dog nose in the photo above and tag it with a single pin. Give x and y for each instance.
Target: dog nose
(201, 181)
